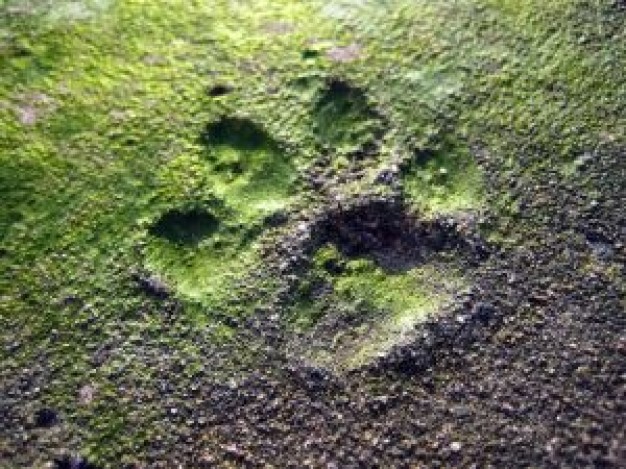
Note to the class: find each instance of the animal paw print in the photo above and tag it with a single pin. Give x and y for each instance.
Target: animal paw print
(354, 271)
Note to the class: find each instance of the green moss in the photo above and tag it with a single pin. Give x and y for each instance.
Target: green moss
(242, 175)
(398, 294)
(327, 258)
(445, 180)
(214, 254)
(206, 273)
(248, 166)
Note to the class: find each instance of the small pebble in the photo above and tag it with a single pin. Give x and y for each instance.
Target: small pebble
(455, 446)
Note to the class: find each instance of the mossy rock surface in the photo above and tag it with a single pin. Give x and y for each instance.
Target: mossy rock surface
(340, 232)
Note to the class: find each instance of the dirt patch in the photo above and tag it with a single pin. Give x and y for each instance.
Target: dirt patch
(32, 107)
(278, 28)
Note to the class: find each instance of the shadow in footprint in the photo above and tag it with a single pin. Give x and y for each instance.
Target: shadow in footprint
(185, 227)
(388, 234)
(238, 133)
(219, 90)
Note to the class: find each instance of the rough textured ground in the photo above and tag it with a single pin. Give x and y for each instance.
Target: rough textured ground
(312, 234)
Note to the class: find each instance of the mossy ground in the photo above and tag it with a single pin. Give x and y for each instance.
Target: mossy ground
(445, 180)
(104, 111)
